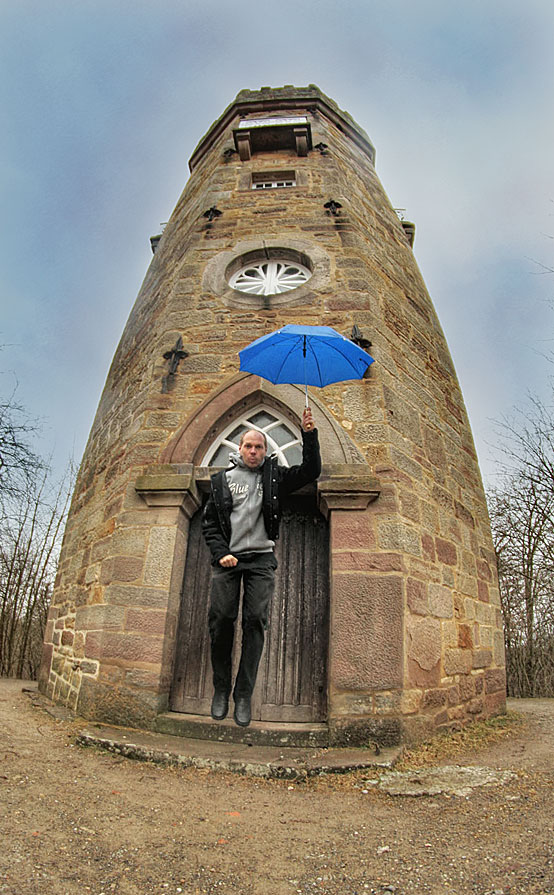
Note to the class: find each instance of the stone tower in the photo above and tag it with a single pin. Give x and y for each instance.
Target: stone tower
(386, 622)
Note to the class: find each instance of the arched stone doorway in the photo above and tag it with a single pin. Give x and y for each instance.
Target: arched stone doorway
(291, 683)
(344, 491)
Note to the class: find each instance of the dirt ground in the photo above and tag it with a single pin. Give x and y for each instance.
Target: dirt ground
(78, 820)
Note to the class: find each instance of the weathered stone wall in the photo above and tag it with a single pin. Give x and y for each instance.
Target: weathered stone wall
(416, 636)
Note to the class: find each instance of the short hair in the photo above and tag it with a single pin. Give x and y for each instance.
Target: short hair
(257, 431)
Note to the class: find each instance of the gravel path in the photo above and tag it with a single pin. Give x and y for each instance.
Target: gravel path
(77, 820)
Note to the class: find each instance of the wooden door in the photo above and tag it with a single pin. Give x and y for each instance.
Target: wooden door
(292, 678)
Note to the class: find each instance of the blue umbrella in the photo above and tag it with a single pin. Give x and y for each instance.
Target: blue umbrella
(305, 355)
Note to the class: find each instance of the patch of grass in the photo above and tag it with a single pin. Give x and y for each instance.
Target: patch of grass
(450, 744)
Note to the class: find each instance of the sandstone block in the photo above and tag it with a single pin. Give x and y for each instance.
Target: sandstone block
(128, 541)
(428, 547)
(475, 706)
(363, 406)
(495, 680)
(464, 514)
(435, 698)
(468, 564)
(133, 648)
(398, 536)
(424, 642)
(465, 638)
(484, 570)
(450, 633)
(498, 648)
(412, 469)
(441, 718)
(369, 562)
(486, 637)
(58, 663)
(441, 603)
(482, 590)
(468, 585)
(434, 447)
(99, 617)
(147, 621)
(453, 695)
(410, 701)
(93, 645)
(416, 594)
(484, 613)
(121, 569)
(446, 552)
(402, 416)
(159, 558)
(352, 531)
(366, 623)
(142, 679)
(89, 667)
(409, 506)
(387, 703)
(495, 703)
(343, 704)
(457, 661)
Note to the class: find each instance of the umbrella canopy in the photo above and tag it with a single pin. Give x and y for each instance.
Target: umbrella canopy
(305, 355)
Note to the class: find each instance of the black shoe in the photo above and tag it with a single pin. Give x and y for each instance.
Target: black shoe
(220, 705)
(243, 713)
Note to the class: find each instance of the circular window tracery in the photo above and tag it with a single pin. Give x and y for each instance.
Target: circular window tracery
(270, 277)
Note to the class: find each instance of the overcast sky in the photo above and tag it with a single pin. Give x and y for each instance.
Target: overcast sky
(103, 103)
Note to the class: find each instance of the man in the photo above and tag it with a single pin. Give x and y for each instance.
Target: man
(240, 525)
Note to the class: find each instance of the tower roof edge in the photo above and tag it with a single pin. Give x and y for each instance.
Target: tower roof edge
(268, 99)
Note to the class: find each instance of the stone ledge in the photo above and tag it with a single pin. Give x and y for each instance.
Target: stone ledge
(169, 485)
(340, 487)
(272, 762)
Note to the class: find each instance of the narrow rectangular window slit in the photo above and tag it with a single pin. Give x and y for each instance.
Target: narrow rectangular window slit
(271, 180)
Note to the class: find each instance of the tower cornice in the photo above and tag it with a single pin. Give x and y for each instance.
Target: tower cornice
(276, 99)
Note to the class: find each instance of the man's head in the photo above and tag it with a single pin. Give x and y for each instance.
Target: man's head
(253, 448)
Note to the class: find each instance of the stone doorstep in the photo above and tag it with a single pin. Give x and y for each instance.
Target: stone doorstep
(247, 758)
(266, 733)
(248, 752)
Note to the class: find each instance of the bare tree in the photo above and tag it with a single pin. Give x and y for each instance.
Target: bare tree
(522, 520)
(29, 544)
(19, 464)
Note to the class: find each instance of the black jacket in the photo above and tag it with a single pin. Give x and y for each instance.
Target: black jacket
(278, 481)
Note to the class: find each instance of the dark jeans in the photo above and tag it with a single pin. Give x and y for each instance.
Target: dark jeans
(257, 573)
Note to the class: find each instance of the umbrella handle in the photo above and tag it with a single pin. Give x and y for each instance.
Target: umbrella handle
(305, 377)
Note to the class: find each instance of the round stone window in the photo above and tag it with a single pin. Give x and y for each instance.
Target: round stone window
(270, 277)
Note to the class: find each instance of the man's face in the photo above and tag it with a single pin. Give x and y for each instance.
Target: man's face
(252, 449)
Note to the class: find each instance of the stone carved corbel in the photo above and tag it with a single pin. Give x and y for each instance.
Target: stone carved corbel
(343, 487)
(170, 485)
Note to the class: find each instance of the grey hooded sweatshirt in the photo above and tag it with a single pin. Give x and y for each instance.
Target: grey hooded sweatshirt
(248, 533)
